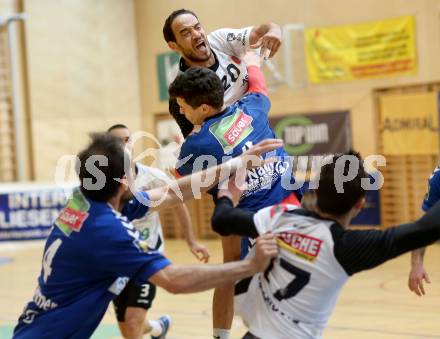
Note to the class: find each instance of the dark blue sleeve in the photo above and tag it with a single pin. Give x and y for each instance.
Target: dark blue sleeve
(433, 194)
(122, 254)
(136, 208)
(188, 153)
(257, 104)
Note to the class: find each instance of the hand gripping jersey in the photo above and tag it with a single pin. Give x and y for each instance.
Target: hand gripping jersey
(149, 225)
(433, 194)
(295, 297)
(227, 135)
(89, 256)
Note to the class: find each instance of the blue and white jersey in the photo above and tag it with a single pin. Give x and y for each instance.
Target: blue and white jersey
(89, 256)
(230, 133)
(433, 194)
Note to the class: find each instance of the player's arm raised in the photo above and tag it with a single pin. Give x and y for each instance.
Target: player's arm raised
(267, 36)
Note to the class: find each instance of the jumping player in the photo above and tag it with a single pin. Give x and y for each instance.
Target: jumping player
(221, 51)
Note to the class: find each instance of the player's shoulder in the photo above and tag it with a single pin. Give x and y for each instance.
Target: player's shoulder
(435, 175)
(255, 96)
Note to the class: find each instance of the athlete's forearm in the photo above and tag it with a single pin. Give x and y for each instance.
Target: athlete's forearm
(182, 213)
(197, 278)
(228, 220)
(192, 185)
(417, 256)
(257, 83)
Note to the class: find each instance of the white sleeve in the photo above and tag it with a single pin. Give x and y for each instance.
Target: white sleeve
(150, 177)
(263, 220)
(232, 41)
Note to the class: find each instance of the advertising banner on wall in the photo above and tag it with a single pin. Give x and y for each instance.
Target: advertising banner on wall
(369, 50)
(319, 133)
(167, 68)
(409, 123)
(28, 211)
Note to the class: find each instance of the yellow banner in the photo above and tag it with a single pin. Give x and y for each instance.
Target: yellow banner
(409, 123)
(371, 50)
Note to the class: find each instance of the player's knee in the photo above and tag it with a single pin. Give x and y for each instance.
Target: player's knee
(133, 324)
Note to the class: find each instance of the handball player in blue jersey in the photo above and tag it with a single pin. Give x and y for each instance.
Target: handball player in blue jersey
(229, 132)
(93, 250)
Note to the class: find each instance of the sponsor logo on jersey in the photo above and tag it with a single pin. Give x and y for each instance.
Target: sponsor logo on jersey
(301, 245)
(74, 214)
(232, 130)
(118, 285)
(232, 36)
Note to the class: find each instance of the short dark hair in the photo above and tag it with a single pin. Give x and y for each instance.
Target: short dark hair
(197, 86)
(329, 200)
(167, 30)
(116, 126)
(110, 147)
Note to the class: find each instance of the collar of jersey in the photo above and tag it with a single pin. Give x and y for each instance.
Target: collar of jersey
(226, 110)
(183, 66)
(307, 213)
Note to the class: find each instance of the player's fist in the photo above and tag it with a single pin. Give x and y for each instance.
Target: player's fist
(271, 41)
(266, 249)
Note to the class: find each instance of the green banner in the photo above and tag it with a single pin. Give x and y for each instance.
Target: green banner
(167, 68)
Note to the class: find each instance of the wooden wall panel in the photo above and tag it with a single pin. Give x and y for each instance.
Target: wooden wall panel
(83, 74)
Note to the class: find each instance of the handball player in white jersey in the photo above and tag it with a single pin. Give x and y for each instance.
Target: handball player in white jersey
(296, 295)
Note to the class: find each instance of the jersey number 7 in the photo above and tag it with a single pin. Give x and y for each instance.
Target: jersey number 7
(301, 279)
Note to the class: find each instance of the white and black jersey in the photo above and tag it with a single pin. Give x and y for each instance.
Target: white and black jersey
(296, 295)
(149, 226)
(228, 46)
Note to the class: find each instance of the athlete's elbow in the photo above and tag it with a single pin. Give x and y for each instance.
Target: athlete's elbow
(219, 222)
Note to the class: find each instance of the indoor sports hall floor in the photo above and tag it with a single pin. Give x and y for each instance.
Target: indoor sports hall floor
(374, 304)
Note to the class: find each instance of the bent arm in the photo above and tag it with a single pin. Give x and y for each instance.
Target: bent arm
(193, 185)
(197, 278)
(228, 220)
(258, 32)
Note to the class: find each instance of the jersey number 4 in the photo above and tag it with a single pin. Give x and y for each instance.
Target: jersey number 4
(301, 279)
(48, 258)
